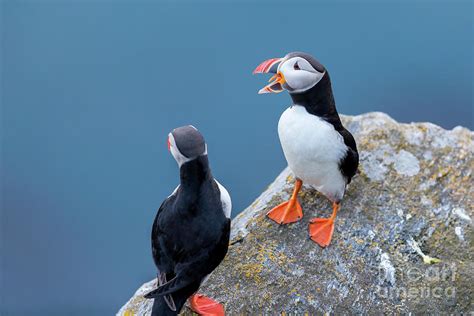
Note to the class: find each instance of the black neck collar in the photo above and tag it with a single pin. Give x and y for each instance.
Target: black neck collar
(194, 172)
(319, 101)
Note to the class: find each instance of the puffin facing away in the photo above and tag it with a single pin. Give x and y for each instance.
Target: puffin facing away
(318, 149)
(190, 234)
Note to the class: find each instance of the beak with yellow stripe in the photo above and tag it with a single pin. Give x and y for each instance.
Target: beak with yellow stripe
(276, 81)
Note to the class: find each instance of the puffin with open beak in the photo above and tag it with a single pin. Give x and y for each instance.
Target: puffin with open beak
(190, 234)
(318, 149)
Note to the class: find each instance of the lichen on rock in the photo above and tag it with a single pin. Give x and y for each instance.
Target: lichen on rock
(413, 199)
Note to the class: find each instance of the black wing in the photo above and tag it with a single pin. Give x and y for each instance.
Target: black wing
(348, 165)
(198, 267)
(156, 250)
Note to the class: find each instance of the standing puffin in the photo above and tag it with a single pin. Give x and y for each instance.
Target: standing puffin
(318, 149)
(190, 234)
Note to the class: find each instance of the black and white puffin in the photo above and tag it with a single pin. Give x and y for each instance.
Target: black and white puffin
(318, 149)
(190, 234)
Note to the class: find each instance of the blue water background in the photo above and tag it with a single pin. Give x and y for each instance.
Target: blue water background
(90, 89)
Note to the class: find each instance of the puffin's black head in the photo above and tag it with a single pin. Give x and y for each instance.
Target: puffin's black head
(296, 72)
(186, 143)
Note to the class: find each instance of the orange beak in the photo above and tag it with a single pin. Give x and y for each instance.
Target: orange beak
(277, 81)
(275, 85)
(169, 144)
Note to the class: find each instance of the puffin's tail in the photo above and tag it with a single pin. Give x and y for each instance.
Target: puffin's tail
(175, 284)
(161, 306)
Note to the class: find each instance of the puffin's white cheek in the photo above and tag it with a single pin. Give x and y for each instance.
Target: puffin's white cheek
(174, 153)
(299, 80)
(180, 159)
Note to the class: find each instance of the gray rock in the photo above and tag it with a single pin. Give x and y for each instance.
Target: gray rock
(403, 240)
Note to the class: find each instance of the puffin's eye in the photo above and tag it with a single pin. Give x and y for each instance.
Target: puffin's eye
(296, 66)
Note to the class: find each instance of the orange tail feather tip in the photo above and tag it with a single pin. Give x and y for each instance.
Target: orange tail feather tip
(321, 230)
(281, 215)
(206, 306)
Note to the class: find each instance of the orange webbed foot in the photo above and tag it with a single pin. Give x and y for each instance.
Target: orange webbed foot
(206, 306)
(320, 231)
(287, 212)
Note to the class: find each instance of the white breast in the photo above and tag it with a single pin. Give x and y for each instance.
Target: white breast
(313, 149)
(225, 200)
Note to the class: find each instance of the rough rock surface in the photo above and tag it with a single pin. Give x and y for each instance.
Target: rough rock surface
(403, 240)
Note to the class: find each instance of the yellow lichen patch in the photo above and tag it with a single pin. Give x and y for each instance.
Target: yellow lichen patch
(266, 296)
(136, 301)
(128, 313)
(259, 255)
(374, 244)
(262, 221)
(289, 179)
(251, 271)
(430, 260)
(422, 128)
(254, 203)
(441, 173)
(309, 195)
(367, 145)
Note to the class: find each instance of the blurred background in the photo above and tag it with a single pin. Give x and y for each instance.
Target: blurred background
(90, 90)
